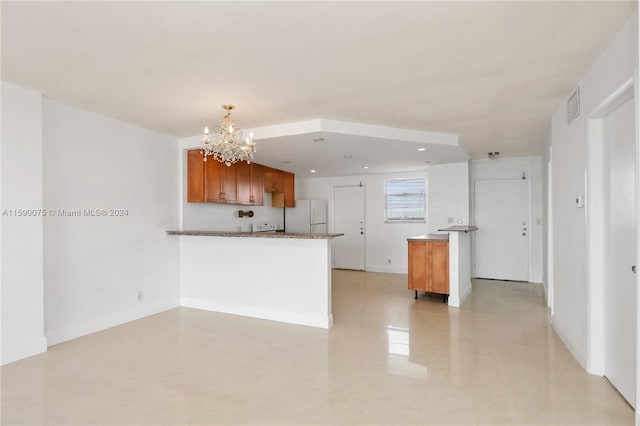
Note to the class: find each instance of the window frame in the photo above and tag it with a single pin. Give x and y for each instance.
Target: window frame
(387, 219)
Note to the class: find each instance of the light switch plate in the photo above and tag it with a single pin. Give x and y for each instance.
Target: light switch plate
(579, 201)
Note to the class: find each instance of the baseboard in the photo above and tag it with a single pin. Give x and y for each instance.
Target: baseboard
(318, 321)
(98, 324)
(465, 294)
(385, 269)
(580, 356)
(12, 353)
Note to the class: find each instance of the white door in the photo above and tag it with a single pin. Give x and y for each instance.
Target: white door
(502, 239)
(348, 219)
(620, 230)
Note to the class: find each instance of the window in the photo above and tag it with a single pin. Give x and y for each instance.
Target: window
(405, 200)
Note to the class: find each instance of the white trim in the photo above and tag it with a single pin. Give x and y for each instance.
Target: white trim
(550, 268)
(595, 224)
(577, 354)
(98, 324)
(385, 269)
(286, 317)
(466, 293)
(359, 129)
(23, 350)
(636, 92)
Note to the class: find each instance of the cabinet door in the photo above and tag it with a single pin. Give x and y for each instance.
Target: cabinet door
(439, 265)
(213, 181)
(257, 184)
(195, 176)
(418, 265)
(229, 183)
(289, 189)
(244, 183)
(268, 177)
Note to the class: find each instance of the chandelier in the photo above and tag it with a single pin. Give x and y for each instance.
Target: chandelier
(227, 143)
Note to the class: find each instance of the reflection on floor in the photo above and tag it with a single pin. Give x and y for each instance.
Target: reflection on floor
(388, 360)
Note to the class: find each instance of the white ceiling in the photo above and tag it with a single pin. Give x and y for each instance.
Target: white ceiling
(490, 72)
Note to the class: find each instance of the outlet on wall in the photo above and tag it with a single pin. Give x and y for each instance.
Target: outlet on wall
(450, 220)
(140, 296)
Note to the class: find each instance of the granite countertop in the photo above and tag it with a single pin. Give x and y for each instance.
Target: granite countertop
(460, 228)
(430, 237)
(239, 234)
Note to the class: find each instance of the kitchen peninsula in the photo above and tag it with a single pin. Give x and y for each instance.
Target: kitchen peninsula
(276, 276)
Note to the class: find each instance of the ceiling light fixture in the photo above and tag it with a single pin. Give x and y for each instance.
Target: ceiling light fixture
(318, 139)
(365, 167)
(346, 157)
(493, 155)
(422, 149)
(312, 171)
(227, 143)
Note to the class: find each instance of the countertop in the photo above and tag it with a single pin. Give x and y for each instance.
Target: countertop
(460, 228)
(238, 234)
(430, 237)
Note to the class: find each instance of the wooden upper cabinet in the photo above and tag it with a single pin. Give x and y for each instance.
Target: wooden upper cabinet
(214, 182)
(257, 184)
(250, 184)
(289, 189)
(273, 180)
(229, 182)
(195, 176)
(210, 181)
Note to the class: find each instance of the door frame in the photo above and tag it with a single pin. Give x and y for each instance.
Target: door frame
(364, 219)
(596, 226)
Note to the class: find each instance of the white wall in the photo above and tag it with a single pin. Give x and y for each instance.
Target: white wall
(448, 196)
(614, 66)
(219, 217)
(514, 167)
(95, 266)
(22, 271)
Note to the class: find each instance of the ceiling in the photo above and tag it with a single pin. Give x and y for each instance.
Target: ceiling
(490, 72)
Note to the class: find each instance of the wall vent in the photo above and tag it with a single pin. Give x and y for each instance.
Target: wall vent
(573, 106)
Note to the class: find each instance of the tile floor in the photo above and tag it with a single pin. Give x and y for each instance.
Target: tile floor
(387, 360)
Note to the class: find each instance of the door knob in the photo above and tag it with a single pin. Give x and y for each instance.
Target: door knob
(633, 269)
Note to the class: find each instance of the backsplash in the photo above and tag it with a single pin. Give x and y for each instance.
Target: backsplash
(222, 217)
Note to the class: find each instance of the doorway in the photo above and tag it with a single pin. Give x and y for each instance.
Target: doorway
(348, 219)
(612, 241)
(502, 239)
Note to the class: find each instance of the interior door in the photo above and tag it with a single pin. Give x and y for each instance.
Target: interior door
(620, 304)
(348, 219)
(502, 239)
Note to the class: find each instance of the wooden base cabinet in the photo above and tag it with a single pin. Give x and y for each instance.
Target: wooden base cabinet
(429, 266)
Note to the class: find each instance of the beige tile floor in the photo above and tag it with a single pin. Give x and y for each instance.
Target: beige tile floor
(387, 360)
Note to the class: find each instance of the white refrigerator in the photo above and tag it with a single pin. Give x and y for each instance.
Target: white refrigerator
(308, 216)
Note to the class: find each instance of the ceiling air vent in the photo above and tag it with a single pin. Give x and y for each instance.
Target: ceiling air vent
(573, 106)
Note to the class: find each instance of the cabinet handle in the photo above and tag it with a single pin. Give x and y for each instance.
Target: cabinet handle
(222, 195)
(251, 199)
